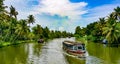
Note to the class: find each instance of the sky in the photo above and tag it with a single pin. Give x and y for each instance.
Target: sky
(63, 14)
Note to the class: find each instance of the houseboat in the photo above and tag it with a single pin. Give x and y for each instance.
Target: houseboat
(74, 48)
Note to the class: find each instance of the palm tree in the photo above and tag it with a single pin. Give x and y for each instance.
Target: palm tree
(77, 30)
(10, 28)
(117, 12)
(46, 32)
(101, 23)
(111, 31)
(38, 30)
(102, 20)
(13, 12)
(21, 29)
(3, 23)
(2, 7)
(31, 19)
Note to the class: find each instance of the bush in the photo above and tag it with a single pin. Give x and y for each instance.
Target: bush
(77, 36)
(92, 38)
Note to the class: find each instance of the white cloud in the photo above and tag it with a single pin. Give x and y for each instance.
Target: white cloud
(61, 7)
(98, 12)
(61, 28)
(22, 6)
(52, 7)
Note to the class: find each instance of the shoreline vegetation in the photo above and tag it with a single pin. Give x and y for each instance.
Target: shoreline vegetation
(106, 28)
(14, 31)
(4, 44)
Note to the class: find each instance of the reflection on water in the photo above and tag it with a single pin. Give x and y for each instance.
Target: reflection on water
(30, 53)
(100, 54)
(13, 55)
(52, 53)
(20, 54)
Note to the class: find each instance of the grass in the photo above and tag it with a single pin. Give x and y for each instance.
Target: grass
(72, 60)
(2, 44)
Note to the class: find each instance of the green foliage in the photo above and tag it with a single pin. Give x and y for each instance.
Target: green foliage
(117, 13)
(76, 35)
(31, 19)
(80, 31)
(106, 28)
(77, 30)
(13, 12)
(2, 7)
(46, 32)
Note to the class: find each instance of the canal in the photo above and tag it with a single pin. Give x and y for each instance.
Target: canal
(52, 53)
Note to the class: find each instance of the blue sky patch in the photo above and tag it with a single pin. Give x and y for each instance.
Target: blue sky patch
(33, 2)
(93, 3)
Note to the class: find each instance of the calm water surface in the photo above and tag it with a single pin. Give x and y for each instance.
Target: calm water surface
(52, 53)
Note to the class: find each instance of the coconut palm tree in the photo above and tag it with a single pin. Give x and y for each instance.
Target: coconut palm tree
(31, 19)
(38, 30)
(111, 31)
(117, 12)
(102, 20)
(10, 29)
(2, 7)
(13, 12)
(101, 23)
(21, 29)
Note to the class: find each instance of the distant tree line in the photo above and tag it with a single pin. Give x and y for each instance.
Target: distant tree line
(105, 28)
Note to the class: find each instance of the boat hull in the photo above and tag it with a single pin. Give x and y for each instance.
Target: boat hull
(78, 53)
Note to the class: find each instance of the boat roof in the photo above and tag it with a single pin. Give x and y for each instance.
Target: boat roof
(72, 42)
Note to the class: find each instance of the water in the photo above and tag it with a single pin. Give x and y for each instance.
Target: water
(101, 54)
(52, 53)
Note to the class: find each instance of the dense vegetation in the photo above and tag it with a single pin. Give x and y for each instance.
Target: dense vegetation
(105, 28)
(13, 30)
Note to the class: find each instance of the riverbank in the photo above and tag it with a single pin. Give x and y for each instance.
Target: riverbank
(4, 44)
(86, 39)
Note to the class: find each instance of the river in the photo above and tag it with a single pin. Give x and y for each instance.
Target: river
(52, 53)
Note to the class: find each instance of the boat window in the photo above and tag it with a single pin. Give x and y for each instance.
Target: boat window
(71, 47)
(79, 47)
(75, 47)
(83, 48)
